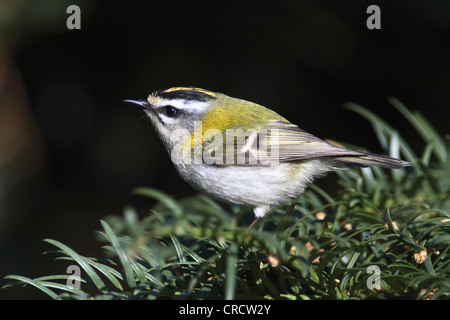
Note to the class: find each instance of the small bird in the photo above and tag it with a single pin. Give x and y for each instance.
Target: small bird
(241, 152)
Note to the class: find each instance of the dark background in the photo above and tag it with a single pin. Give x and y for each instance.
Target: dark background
(71, 151)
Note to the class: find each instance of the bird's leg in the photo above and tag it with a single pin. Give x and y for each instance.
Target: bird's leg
(288, 212)
(259, 213)
(290, 209)
(250, 226)
(253, 223)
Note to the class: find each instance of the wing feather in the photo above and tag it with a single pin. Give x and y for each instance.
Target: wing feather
(264, 144)
(278, 141)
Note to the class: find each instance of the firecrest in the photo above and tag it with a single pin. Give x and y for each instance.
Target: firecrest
(241, 152)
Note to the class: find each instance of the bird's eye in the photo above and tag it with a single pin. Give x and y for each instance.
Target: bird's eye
(170, 111)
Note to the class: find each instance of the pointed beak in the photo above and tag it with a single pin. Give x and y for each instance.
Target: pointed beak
(142, 103)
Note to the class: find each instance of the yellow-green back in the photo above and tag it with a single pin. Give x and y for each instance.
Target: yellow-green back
(228, 112)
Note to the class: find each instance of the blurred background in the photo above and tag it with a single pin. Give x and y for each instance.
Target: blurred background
(71, 152)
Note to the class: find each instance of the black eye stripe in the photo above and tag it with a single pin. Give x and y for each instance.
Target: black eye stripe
(170, 111)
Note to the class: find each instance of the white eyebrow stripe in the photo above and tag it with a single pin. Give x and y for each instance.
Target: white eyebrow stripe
(182, 104)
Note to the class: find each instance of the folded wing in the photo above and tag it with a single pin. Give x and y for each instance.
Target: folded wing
(280, 141)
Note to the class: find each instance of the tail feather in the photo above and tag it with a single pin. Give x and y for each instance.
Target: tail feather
(369, 159)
